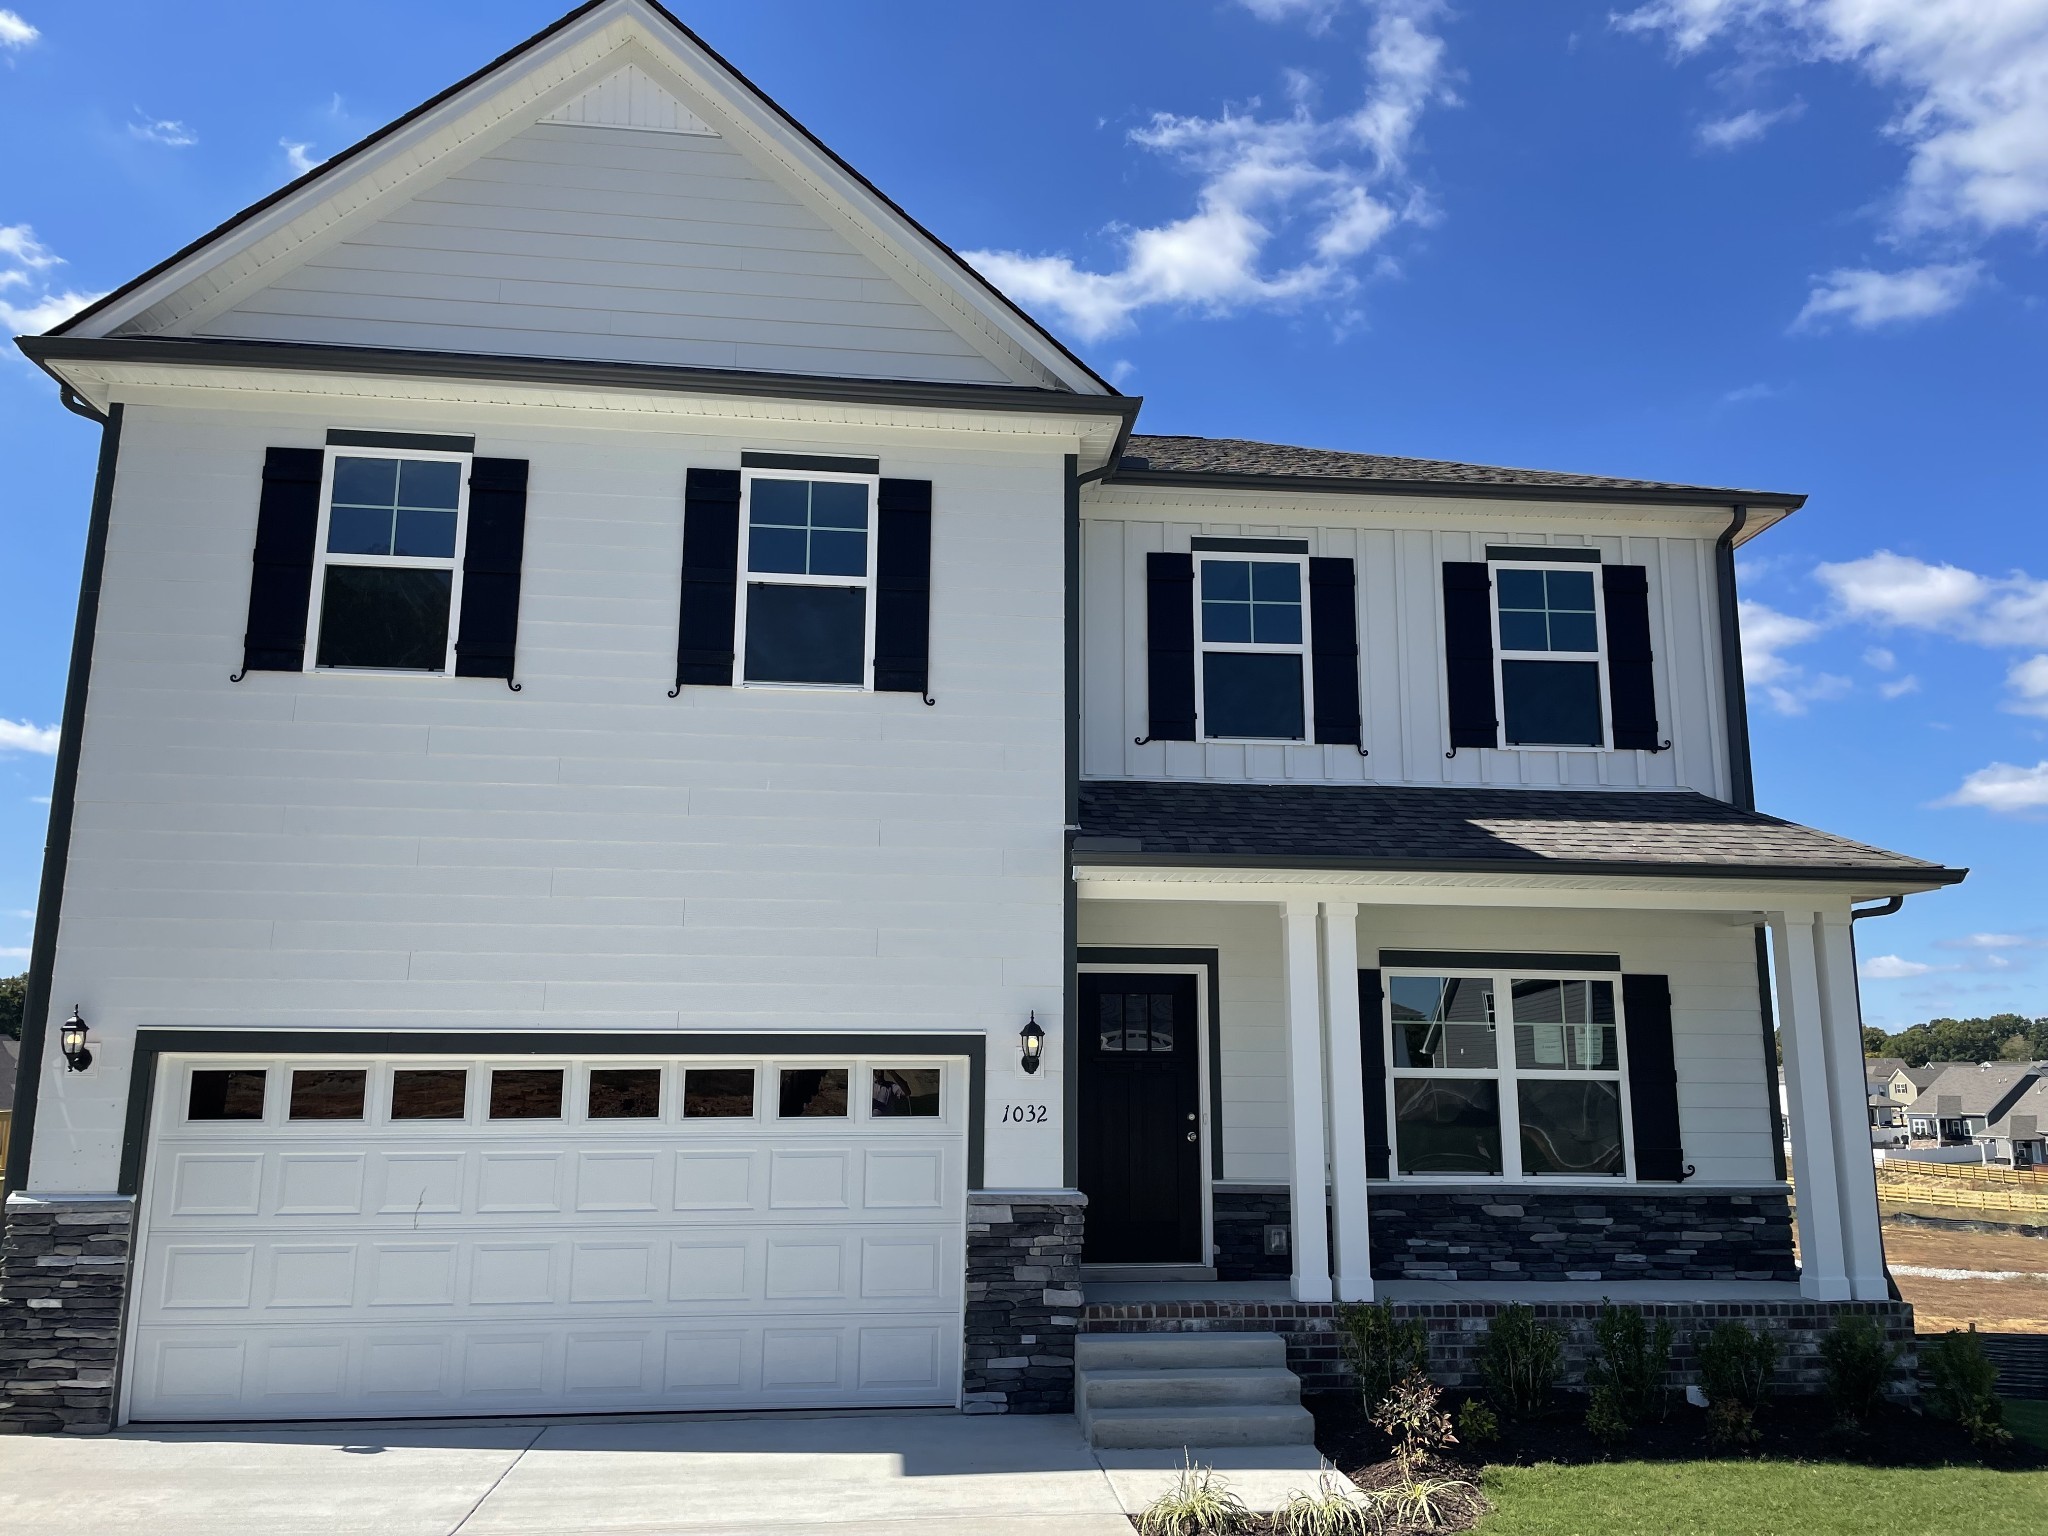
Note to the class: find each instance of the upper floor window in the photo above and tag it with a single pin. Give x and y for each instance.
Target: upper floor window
(388, 573)
(806, 614)
(1548, 645)
(1254, 656)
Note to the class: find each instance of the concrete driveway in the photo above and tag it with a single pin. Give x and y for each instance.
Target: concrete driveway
(839, 1475)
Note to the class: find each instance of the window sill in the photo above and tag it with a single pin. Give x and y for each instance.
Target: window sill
(438, 673)
(768, 687)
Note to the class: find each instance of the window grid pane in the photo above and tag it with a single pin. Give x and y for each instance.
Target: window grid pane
(1547, 611)
(808, 528)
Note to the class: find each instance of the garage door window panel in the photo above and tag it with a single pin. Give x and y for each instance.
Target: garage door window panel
(526, 1093)
(813, 1093)
(432, 1093)
(909, 1093)
(624, 1093)
(225, 1094)
(329, 1093)
(718, 1093)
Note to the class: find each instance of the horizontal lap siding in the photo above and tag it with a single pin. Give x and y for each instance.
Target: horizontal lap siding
(441, 854)
(608, 243)
(1399, 563)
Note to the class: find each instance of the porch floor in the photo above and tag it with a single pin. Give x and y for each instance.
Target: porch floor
(1590, 1292)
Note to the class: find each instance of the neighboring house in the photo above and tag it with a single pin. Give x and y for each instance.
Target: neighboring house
(1958, 1105)
(2019, 1133)
(656, 789)
(1887, 1113)
(1905, 1083)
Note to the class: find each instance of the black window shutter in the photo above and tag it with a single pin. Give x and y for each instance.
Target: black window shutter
(1653, 1080)
(1372, 1053)
(1631, 687)
(1333, 638)
(1170, 644)
(711, 555)
(903, 588)
(1468, 654)
(492, 551)
(281, 577)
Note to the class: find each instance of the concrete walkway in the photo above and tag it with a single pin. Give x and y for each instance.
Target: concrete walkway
(835, 1475)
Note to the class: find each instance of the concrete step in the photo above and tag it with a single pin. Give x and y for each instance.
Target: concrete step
(1207, 1387)
(1233, 1424)
(1148, 1274)
(1178, 1351)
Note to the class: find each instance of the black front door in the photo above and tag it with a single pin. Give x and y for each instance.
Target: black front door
(1140, 1131)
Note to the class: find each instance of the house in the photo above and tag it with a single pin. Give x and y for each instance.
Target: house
(663, 805)
(2019, 1134)
(1957, 1106)
(1905, 1083)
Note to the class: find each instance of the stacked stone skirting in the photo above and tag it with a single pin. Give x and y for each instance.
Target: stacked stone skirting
(1457, 1328)
(1427, 1232)
(63, 1277)
(1240, 1215)
(1023, 1301)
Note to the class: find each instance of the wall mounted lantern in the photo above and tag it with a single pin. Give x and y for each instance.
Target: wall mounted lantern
(72, 1039)
(1034, 1043)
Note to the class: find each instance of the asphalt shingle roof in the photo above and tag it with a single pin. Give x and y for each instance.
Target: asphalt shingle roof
(1968, 1088)
(1237, 456)
(1379, 826)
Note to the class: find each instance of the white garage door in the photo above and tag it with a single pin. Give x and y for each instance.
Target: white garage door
(356, 1237)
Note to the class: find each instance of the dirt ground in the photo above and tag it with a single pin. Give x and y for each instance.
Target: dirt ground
(1996, 1305)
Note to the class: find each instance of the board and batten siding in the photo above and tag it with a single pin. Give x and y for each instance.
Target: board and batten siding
(615, 244)
(1717, 1029)
(1399, 551)
(336, 851)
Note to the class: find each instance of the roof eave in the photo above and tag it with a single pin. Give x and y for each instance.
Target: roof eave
(1684, 496)
(1908, 879)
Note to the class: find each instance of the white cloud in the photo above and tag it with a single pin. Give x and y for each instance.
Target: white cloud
(21, 736)
(2005, 788)
(1749, 392)
(2028, 681)
(1892, 968)
(1898, 688)
(1893, 589)
(1745, 127)
(298, 154)
(1879, 659)
(1766, 635)
(1287, 205)
(164, 130)
(1986, 941)
(23, 261)
(14, 32)
(1317, 13)
(1867, 298)
(13, 954)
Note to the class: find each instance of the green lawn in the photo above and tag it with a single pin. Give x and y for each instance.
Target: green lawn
(1732, 1498)
(2028, 1420)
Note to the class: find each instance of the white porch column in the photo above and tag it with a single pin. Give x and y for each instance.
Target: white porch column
(1842, 1020)
(1816, 1163)
(1305, 1102)
(1346, 1100)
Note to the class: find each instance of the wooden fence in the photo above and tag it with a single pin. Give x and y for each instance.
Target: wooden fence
(1965, 1186)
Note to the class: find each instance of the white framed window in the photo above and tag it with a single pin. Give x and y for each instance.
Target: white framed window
(1550, 655)
(1253, 667)
(806, 610)
(1533, 1090)
(387, 573)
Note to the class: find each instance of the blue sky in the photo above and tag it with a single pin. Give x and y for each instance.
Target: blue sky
(1784, 243)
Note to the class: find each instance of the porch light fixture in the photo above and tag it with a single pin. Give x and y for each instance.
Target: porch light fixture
(1034, 1043)
(72, 1040)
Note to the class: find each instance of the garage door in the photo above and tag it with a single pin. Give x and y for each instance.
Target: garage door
(356, 1237)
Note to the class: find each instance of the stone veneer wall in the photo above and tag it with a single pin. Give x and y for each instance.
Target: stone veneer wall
(1456, 1329)
(63, 1275)
(1023, 1301)
(1240, 1216)
(1459, 1232)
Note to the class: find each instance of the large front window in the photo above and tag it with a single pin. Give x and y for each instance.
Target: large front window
(807, 613)
(1254, 653)
(391, 532)
(1530, 1090)
(1548, 620)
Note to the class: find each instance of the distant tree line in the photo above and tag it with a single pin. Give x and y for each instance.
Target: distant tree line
(2002, 1037)
(13, 1000)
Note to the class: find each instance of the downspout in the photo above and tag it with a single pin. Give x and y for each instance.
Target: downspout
(1884, 908)
(42, 962)
(1070, 905)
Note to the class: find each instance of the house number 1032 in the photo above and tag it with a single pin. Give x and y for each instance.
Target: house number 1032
(1024, 1114)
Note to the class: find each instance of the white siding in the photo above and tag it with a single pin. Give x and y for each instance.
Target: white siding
(1399, 555)
(416, 853)
(615, 244)
(1717, 1029)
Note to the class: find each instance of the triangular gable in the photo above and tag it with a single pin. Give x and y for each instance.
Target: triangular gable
(815, 270)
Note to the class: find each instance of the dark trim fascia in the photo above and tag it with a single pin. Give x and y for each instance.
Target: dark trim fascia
(1494, 960)
(427, 442)
(1212, 961)
(153, 1044)
(42, 955)
(508, 56)
(1202, 544)
(812, 463)
(1678, 496)
(1542, 554)
(1574, 867)
(1734, 687)
(1763, 999)
(1070, 905)
(306, 357)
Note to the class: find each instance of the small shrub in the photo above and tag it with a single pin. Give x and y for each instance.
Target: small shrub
(1413, 1418)
(1735, 1371)
(1381, 1348)
(1336, 1507)
(1858, 1364)
(1198, 1504)
(1627, 1375)
(1963, 1382)
(1478, 1425)
(1730, 1425)
(1429, 1503)
(1520, 1358)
